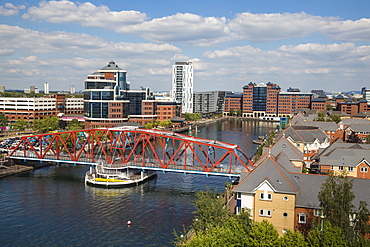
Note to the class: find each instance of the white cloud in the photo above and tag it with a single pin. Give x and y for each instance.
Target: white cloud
(86, 14)
(9, 9)
(306, 66)
(180, 28)
(6, 52)
(279, 26)
(13, 37)
(349, 30)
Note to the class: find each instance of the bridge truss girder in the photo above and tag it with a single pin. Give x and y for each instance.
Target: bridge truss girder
(147, 149)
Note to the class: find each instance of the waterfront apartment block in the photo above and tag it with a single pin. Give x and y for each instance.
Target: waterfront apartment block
(260, 100)
(30, 109)
(182, 85)
(109, 100)
(232, 102)
(209, 102)
(289, 102)
(267, 102)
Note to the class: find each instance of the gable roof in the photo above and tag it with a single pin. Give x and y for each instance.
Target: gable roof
(349, 157)
(360, 127)
(285, 162)
(349, 121)
(310, 186)
(283, 145)
(325, 126)
(268, 169)
(340, 144)
(304, 134)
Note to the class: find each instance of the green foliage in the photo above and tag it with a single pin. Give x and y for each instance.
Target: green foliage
(263, 234)
(20, 124)
(326, 235)
(192, 116)
(210, 209)
(231, 112)
(231, 233)
(165, 123)
(74, 125)
(4, 121)
(360, 223)
(336, 202)
(336, 198)
(368, 139)
(292, 239)
(320, 116)
(335, 118)
(47, 124)
(239, 112)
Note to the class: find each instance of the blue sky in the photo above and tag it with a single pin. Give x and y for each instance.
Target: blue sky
(301, 44)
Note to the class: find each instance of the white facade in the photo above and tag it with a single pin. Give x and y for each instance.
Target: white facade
(182, 85)
(27, 104)
(46, 88)
(73, 89)
(74, 103)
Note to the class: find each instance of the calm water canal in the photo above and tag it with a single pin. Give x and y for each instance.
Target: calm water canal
(52, 206)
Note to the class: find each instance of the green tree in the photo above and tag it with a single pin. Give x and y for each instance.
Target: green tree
(335, 118)
(336, 198)
(47, 124)
(325, 235)
(231, 112)
(292, 239)
(231, 233)
(74, 125)
(320, 116)
(20, 124)
(4, 121)
(263, 234)
(361, 222)
(239, 112)
(192, 116)
(210, 210)
(165, 123)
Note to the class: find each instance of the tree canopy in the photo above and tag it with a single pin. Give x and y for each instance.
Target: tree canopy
(47, 124)
(4, 121)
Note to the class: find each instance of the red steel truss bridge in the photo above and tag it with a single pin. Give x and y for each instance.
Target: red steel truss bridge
(135, 148)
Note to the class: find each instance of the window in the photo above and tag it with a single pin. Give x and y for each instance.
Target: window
(266, 197)
(350, 169)
(317, 212)
(302, 218)
(340, 168)
(238, 195)
(285, 198)
(265, 213)
(285, 214)
(363, 169)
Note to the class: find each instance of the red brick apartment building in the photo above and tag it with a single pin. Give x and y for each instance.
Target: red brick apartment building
(289, 102)
(352, 108)
(260, 100)
(232, 102)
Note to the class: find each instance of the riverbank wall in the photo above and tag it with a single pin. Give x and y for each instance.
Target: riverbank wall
(16, 166)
